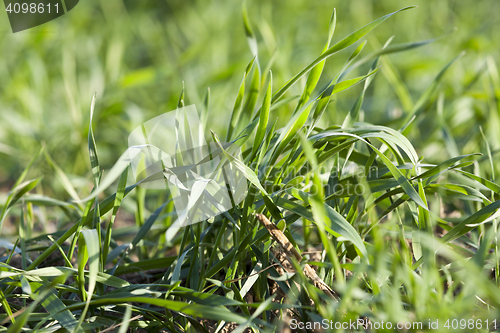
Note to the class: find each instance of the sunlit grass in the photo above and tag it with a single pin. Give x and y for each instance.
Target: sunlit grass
(400, 220)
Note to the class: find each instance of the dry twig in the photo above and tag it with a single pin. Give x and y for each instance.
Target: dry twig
(291, 251)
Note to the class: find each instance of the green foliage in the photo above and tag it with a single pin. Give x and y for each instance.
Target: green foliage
(394, 197)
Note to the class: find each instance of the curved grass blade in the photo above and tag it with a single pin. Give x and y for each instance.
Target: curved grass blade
(342, 44)
(126, 320)
(66, 183)
(353, 113)
(15, 194)
(247, 172)
(251, 39)
(238, 103)
(300, 118)
(55, 307)
(401, 179)
(88, 250)
(263, 118)
(463, 227)
(94, 161)
(315, 74)
(392, 49)
(120, 193)
(192, 309)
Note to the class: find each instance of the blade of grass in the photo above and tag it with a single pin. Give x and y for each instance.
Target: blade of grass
(342, 44)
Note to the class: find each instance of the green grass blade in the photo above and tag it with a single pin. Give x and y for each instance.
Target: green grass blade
(315, 74)
(238, 103)
(126, 320)
(464, 227)
(88, 250)
(346, 42)
(120, 193)
(55, 307)
(263, 118)
(247, 172)
(66, 183)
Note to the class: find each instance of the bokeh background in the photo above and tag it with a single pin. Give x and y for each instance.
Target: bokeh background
(137, 54)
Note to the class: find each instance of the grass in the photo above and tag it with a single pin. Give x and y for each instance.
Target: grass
(399, 219)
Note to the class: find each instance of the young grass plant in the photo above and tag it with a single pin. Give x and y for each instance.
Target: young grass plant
(356, 194)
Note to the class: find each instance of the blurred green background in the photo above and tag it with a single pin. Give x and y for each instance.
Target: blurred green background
(136, 54)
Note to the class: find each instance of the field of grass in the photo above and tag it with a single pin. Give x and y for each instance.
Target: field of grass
(369, 134)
